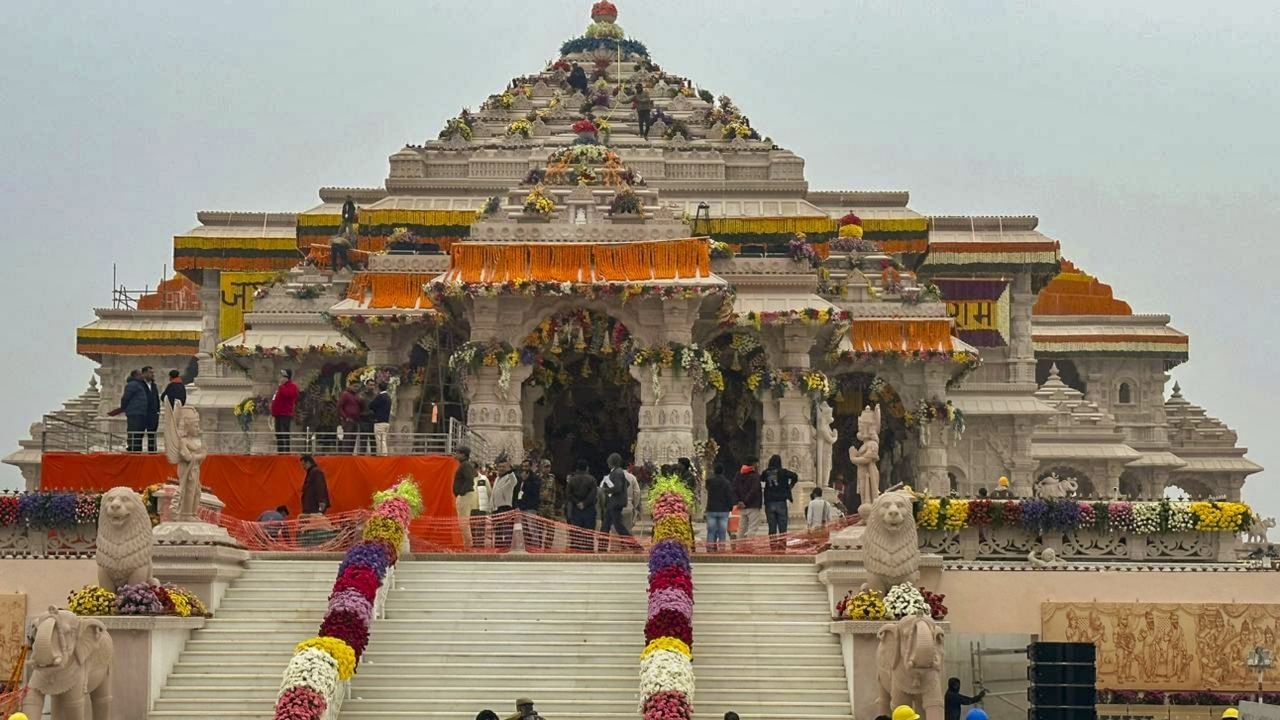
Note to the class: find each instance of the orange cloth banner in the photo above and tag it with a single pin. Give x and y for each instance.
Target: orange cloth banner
(252, 484)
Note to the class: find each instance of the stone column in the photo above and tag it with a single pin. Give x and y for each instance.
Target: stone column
(665, 431)
(210, 306)
(931, 459)
(1022, 358)
(788, 431)
(496, 415)
(1022, 479)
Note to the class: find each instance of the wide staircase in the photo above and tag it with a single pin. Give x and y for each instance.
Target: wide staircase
(464, 635)
(231, 667)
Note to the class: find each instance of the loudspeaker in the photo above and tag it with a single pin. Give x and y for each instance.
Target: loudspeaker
(1062, 680)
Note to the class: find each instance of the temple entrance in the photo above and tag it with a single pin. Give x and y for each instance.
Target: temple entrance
(853, 392)
(735, 415)
(582, 401)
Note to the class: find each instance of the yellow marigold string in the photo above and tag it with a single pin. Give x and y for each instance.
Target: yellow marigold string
(337, 649)
(666, 643)
(382, 528)
(673, 528)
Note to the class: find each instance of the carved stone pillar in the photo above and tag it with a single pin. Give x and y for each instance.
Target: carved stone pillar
(1022, 481)
(210, 307)
(496, 415)
(1022, 359)
(700, 402)
(788, 432)
(931, 457)
(665, 431)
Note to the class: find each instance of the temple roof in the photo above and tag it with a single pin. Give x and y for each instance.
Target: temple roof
(140, 333)
(1075, 292)
(1128, 335)
(1206, 443)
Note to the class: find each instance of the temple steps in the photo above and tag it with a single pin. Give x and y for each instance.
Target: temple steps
(463, 635)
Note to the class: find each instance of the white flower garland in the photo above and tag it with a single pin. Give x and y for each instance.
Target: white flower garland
(1181, 519)
(905, 600)
(312, 668)
(664, 670)
(1146, 518)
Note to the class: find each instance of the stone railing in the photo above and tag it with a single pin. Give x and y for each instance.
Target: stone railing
(23, 542)
(1080, 545)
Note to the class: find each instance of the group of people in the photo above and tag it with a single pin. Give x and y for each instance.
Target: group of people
(364, 411)
(760, 498)
(484, 501)
(140, 404)
(641, 100)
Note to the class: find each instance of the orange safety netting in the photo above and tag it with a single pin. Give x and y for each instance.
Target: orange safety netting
(11, 702)
(334, 532)
(515, 530)
(391, 289)
(927, 335)
(577, 262)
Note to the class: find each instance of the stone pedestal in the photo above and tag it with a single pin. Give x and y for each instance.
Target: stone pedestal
(145, 650)
(665, 431)
(841, 568)
(858, 646)
(204, 569)
(165, 497)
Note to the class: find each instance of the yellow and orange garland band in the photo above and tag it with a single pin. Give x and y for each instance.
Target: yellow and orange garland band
(932, 335)
(391, 290)
(581, 263)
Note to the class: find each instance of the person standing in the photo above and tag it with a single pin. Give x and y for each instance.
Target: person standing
(578, 79)
(153, 406)
(464, 491)
(954, 699)
(364, 438)
(819, 512)
(176, 391)
(552, 494)
(746, 488)
(350, 215)
(614, 487)
(719, 505)
(315, 490)
(644, 111)
(283, 405)
(133, 403)
(529, 502)
(349, 416)
(778, 484)
(582, 506)
(504, 490)
(380, 406)
(1002, 491)
(480, 515)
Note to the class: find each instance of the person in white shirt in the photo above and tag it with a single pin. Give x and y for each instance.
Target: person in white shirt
(504, 490)
(820, 512)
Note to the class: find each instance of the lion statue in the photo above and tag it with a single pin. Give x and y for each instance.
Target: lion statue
(124, 540)
(891, 549)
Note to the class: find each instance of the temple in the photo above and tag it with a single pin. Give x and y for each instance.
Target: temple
(561, 275)
(547, 280)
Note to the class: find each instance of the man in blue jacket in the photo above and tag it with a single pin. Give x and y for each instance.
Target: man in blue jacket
(134, 404)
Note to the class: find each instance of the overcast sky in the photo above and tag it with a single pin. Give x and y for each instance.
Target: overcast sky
(1143, 134)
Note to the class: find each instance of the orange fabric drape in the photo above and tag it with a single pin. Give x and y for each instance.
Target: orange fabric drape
(931, 335)
(577, 262)
(252, 484)
(391, 290)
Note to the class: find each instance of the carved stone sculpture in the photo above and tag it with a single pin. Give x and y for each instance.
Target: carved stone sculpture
(1258, 531)
(124, 540)
(909, 666)
(867, 457)
(72, 659)
(1056, 487)
(1046, 558)
(892, 550)
(826, 437)
(185, 448)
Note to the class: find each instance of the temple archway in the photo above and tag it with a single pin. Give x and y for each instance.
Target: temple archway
(735, 415)
(585, 403)
(852, 393)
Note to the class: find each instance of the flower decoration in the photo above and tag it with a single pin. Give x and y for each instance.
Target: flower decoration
(666, 668)
(585, 126)
(667, 705)
(91, 600)
(337, 649)
(139, 599)
(300, 703)
(802, 251)
(538, 202)
(865, 605)
(521, 127)
(311, 668)
(905, 600)
(937, 610)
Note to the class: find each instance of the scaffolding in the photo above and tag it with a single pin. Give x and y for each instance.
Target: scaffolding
(1008, 692)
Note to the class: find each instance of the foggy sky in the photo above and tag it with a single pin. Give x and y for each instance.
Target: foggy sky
(1143, 134)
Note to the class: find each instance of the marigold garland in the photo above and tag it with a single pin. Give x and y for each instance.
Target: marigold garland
(386, 529)
(667, 644)
(673, 528)
(337, 649)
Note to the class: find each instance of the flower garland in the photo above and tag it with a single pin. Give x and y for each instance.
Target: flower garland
(587, 291)
(689, 360)
(139, 599)
(864, 605)
(666, 664)
(49, 510)
(288, 352)
(905, 600)
(1041, 515)
(538, 202)
(520, 127)
(320, 663)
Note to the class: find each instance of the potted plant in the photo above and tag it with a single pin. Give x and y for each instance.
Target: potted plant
(521, 127)
(585, 129)
(538, 204)
(626, 203)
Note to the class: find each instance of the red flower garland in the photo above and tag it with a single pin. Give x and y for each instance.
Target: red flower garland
(347, 627)
(669, 623)
(300, 703)
(358, 578)
(671, 577)
(667, 705)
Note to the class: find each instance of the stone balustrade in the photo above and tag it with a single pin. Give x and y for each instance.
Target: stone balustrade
(24, 542)
(1003, 543)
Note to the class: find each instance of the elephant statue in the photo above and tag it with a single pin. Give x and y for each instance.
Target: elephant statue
(72, 661)
(909, 666)
(1054, 487)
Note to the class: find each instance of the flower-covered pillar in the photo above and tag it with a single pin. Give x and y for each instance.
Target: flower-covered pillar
(494, 411)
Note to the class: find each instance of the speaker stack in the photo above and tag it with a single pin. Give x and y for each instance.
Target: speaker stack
(1063, 679)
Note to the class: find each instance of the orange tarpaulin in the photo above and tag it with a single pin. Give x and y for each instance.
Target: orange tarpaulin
(252, 484)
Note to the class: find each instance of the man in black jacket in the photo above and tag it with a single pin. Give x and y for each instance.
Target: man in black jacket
(614, 487)
(176, 391)
(719, 506)
(380, 407)
(582, 506)
(133, 403)
(153, 406)
(315, 490)
(529, 501)
(746, 488)
(778, 484)
(954, 699)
